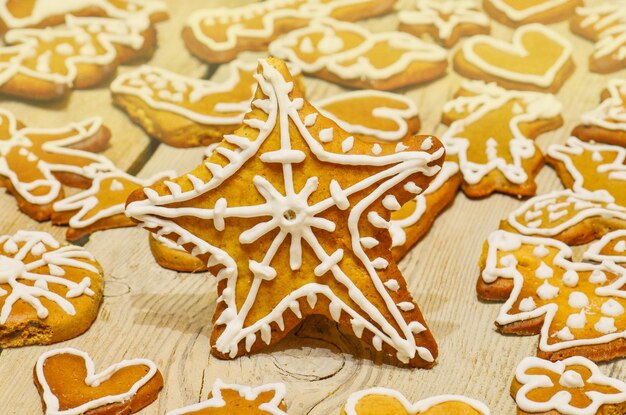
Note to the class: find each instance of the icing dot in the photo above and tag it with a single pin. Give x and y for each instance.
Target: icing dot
(391, 203)
(377, 149)
(347, 144)
(596, 156)
(544, 271)
(310, 119)
(330, 44)
(597, 277)
(612, 308)
(571, 379)
(116, 185)
(565, 334)
(38, 249)
(508, 261)
(306, 46)
(541, 251)
(380, 263)
(427, 144)
(401, 147)
(412, 188)
(406, 306)
(577, 321)
(375, 219)
(326, 135)
(65, 49)
(547, 291)
(620, 246)
(578, 299)
(369, 242)
(392, 285)
(10, 247)
(527, 304)
(605, 325)
(570, 278)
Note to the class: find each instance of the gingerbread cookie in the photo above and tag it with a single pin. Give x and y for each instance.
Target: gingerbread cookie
(102, 205)
(577, 308)
(446, 21)
(604, 24)
(169, 255)
(591, 167)
(277, 245)
(611, 247)
(218, 35)
(413, 220)
(574, 386)
(519, 12)
(350, 55)
(537, 59)
(383, 401)
(46, 64)
(238, 399)
(491, 136)
(607, 122)
(35, 162)
(48, 292)
(572, 218)
(188, 112)
(69, 385)
(43, 13)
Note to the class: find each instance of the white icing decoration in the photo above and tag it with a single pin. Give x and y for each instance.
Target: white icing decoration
(606, 325)
(546, 291)
(578, 299)
(527, 304)
(612, 308)
(518, 11)
(618, 254)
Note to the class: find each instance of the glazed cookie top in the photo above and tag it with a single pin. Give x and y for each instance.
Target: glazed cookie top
(611, 113)
(39, 276)
(574, 386)
(227, 399)
(324, 177)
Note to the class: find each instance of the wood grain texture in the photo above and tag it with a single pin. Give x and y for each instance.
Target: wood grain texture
(165, 316)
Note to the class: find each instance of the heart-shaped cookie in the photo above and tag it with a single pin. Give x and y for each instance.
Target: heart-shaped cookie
(383, 401)
(537, 59)
(518, 12)
(69, 385)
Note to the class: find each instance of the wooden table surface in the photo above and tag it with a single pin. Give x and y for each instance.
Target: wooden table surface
(166, 316)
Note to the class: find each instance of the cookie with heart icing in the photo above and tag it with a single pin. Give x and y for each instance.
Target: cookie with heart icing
(604, 24)
(536, 59)
(591, 167)
(491, 136)
(277, 246)
(446, 21)
(102, 205)
(48, 292)
(577, 308)
(519, 12)
(218, 35)
(607, 122)
(230, 399)
(46, 64)
(574, 218)
(68, 384)
(35, 163)
(188, 112)
(42, 13)
(574, 386)
(350, 55)
(384, 401)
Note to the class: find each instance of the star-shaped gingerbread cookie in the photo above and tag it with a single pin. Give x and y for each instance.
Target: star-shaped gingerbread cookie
(446, 21)
(577, 308)
(308, 235)
(491, 137)
(607, 122)
(572, 386)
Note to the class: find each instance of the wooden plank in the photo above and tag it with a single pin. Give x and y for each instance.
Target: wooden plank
(154, 313)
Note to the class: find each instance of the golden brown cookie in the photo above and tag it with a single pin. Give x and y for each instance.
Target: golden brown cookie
(491, 137)
(43, 13)
(607, 122)
(46, 64)
(413, 220)
(537, 59)
(227, 399)
(218, 35)
(591, 167)
(571, 386)
(604, 24)
(519, 12)
(170, 255)
(577, 308)
(282, 251)
(68, 384)
(446, 21)
(383, 401)
(189, 112)
(48, 292)
(571, 217)
(102, 205)
(350, 55)
(35, 162)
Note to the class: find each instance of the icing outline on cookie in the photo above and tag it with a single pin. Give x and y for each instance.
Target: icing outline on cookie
(593, 253)
(517, 15)
(611, 113)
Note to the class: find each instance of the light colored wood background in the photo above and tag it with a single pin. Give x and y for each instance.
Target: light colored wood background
(158, 314)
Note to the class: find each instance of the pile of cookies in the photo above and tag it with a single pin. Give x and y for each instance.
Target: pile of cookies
(303, 207)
